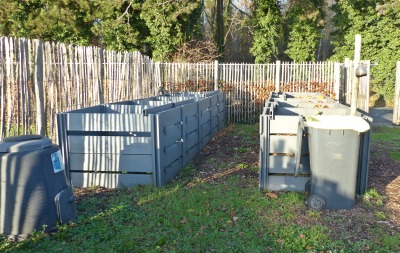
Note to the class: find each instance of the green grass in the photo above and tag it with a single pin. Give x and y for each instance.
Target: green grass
(192, 215)
(390, 136)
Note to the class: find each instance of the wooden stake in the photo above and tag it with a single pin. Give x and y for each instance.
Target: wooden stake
(354, 93)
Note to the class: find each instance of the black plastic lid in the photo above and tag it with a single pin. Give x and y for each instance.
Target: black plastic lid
(20, 138)
(24, 143)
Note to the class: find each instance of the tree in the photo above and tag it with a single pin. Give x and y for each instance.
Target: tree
(114, 24)
(117, 25)
(60, 20)
(303, 21)
(171, 23)
(379, 25)
(267, 30)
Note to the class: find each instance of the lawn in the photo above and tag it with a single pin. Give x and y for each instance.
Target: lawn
(215, 206)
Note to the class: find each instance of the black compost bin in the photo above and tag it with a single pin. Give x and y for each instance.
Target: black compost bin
(34, 191)
(334, 144)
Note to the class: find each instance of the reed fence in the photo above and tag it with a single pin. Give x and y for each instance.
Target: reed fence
(40, 79)
(247, 86)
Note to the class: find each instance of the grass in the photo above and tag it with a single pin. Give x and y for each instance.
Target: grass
(391, 137)
(192, 215)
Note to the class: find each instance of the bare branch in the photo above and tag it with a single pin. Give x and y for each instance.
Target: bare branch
(126, 10)
(197, 51)
(244, 13)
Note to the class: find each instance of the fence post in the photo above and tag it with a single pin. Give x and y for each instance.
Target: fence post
(40, 114)
(216, 77)
(2, 91)
(354, 88)
(336, 80)
(139, 76)
(277, 75)
(101, 75)
(346, 82)
(157, 78)
(396, 109)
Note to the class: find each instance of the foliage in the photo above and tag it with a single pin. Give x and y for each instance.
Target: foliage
(286, 29)
(113, 24)
(60, 20)
(379, 24)
(123, 25)
(170, 24)
(118, 26)
(303, 42)
(267, 32)
(303, 21)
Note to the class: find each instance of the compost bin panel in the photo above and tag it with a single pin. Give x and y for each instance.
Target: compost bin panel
(169, 144)
(286, 164)
(191, 145)
(111, 163)
(284, 125)
(110, 144)
(108, 180)
(205, 121)
(108, 122)
(214, 106)
(288, 183)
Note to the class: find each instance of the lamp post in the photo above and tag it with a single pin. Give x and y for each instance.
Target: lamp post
(360, 72)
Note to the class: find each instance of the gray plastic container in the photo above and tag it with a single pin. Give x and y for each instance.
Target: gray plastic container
(334, 143)
(34, 191)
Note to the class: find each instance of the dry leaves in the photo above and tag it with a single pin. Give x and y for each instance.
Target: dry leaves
(272, 195)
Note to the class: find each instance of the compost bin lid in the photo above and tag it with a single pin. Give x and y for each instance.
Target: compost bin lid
(24, 143)
(338, 122)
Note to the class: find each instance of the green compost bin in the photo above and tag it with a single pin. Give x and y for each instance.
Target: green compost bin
(334, 144)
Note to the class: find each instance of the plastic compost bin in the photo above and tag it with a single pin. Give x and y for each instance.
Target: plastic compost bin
(34, 191)
(334, 143)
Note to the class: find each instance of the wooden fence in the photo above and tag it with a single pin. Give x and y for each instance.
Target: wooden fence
(396, 108)
(248, 85)
(39, 79)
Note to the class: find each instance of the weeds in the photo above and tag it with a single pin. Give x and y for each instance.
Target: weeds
(192, 214)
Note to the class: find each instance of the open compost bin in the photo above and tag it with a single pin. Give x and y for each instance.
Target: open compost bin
(144, 141)
(284, 150)
(334, 143)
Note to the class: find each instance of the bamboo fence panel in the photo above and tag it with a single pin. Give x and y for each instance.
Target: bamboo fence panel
(40, 79)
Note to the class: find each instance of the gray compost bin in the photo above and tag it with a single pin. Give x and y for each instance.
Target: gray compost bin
(334, 143)
(138, 142)
(34, 192)
(284, 151)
